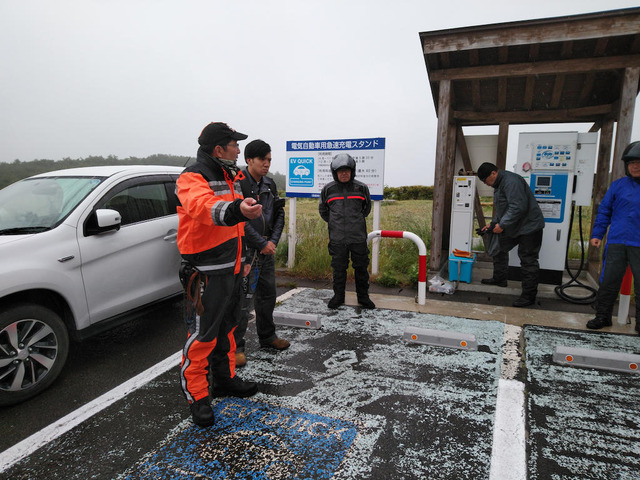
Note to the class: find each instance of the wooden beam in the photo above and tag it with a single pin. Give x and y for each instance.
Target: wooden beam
(503, 138)
(439, 193)
(558, 86)
(502, 94)
(587, 86)
(529, 32)
(625, 119)
(534, 52)
(475, 84)
(584, 114)
(528, 93)
(550, 67)
(599, 189)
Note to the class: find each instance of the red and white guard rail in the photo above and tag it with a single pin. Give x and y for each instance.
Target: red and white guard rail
(422, 257)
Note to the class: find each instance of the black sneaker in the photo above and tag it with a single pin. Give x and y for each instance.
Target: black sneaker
(522, 302)
(202, 412)
(366, 302)
(234, 387)
(493, 281)
(638, 327)
(336, 301)
(598, 322)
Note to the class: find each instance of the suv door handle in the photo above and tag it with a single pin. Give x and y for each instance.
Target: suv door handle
(171, 236)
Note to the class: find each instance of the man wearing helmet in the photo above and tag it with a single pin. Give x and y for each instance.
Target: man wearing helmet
(344, 205)
(619, 211)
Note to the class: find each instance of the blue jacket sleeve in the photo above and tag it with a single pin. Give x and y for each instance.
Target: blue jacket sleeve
(603, 218)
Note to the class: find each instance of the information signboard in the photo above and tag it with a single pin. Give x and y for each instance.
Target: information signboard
(309, 164)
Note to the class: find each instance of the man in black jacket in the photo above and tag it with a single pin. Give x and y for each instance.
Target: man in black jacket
(344, 205)
(261, 238)
(518, 221)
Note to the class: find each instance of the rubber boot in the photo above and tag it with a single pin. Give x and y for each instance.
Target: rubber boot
(339, 285)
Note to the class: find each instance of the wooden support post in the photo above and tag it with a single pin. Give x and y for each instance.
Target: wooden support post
(448, 197)
(503, 138)
(599, 189)
(625, 119)
(440, 180)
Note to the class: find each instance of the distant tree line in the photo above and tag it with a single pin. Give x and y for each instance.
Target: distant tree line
(12, 172)
(412, 192)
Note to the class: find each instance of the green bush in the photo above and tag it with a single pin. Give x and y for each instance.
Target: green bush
(413, 192)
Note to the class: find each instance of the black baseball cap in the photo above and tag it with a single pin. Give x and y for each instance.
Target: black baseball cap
(215, 132)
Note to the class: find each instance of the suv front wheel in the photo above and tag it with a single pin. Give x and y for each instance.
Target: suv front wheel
(34, 344)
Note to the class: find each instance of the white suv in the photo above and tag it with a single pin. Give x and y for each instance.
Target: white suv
(82, 250)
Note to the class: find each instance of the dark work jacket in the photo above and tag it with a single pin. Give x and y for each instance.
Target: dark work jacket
(517, 210)
(271, 222)
(345, 206)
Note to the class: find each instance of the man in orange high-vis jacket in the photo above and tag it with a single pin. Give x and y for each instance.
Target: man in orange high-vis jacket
(211, 218)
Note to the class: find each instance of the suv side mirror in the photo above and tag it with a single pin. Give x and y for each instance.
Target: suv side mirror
(102, 220)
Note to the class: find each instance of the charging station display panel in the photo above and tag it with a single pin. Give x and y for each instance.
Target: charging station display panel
(550, 189)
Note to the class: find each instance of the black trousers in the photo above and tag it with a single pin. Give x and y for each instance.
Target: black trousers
(340, 261)
(210, 346)
(528, 250)
(616, 258)
(260, 292)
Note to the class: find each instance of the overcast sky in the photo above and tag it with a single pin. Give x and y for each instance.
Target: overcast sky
(136, 78)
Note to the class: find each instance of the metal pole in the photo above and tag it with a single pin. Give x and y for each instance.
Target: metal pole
(375, 246)
(292, 232)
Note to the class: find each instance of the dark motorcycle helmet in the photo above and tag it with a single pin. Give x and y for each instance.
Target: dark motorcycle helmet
(343, 160)
(632, 152)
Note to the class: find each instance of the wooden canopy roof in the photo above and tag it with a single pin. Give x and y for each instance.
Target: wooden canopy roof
(564, 69)
(572, 69)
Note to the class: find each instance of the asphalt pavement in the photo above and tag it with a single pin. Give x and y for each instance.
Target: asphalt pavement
(352, 399)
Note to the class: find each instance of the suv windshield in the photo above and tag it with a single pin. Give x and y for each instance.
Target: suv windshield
(37, 204)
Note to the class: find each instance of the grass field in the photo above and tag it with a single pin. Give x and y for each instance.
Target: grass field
(398, 260)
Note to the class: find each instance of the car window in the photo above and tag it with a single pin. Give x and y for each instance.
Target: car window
(39, 204)
(140, 202)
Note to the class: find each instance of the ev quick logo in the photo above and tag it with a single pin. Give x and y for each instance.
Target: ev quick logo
(301, 172)
(253, 441)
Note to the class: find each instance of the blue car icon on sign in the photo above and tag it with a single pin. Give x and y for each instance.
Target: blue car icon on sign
(301, 171)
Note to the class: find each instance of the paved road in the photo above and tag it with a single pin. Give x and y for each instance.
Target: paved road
(338, 379)
(95, 367)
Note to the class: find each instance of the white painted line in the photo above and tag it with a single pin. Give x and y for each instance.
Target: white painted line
(29, 445)
(290, 294)
(508, 453)
(511, 357)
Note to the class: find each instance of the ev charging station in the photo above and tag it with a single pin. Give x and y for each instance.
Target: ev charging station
(463, 195)
(559, 168)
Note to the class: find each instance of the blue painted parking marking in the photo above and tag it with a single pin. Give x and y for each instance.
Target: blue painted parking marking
(253, 440)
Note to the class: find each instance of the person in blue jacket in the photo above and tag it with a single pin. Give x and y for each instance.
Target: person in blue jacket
(619, 211)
